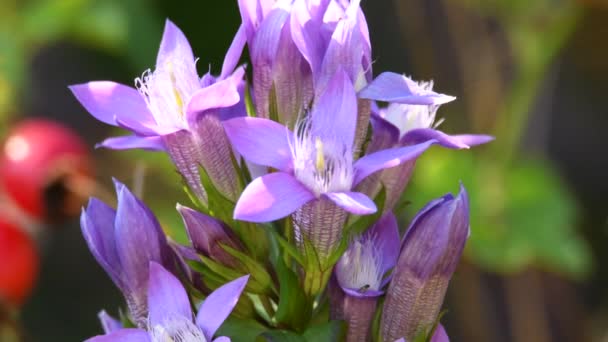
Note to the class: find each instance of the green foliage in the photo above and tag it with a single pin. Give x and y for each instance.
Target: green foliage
(521, 216)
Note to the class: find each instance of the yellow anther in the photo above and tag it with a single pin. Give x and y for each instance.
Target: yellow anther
(320, 157)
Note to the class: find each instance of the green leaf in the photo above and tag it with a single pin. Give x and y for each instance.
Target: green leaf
(241, 330)
(219, 206)
(327, 332)
(279, 336)
(294, 309)
(249, 103)
(259, 275)
(289, 248)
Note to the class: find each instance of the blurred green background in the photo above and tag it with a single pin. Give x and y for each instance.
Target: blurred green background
(532, 73)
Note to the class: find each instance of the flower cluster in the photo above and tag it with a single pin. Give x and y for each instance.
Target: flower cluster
(294, 176)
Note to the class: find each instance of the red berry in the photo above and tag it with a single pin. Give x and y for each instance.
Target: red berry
(41, 163)
(18, 264)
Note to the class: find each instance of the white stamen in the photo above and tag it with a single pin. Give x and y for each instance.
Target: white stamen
(408, 117)
(361, 266)
(168, 90)
(178, 329)
(323, 165)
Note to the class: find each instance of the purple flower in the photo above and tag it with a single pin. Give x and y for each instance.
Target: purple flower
(430, 252)
(173, 110)
(297, 46)
(316, 171)
(408, 120)
(208, 234)
(124, 241)
(170, 317)
(360, 276)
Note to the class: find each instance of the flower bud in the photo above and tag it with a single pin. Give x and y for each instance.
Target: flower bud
(429, 255)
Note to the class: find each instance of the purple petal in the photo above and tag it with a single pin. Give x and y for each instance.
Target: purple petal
(167, 298)
(234, 52)
(353, 202)
(472, 139)
(365, 294)
(386, 159)
(263, 53)
(440, 335)
(133, 142)
(345, 49)
(392, 87)
(218, 306)
(139, 238)
(107, 101)
(261, 141)
(384, 134)
(271, 197)
(174, 44)
(218, 95)
(222, 339)
(335, 112)
(143, 128)
(123, 335)
(97, 223)
(305, 33)
(108, 323)
(253, 13)
(385, 235)
(420, 135)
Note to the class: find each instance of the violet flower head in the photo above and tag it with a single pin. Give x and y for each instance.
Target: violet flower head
(316, 172)
(409, 119)
(360, 276)
(207, 234)
(170, 317)
(124, 241)
(297, 46)
(172, 109)
(430, 252)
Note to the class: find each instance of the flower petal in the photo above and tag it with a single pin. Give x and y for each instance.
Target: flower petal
(305, 34)
(218, 306)
(108, 323)
(139, 238)
(420, 135)
(335, 111)
(392, 87)
(271, 197)
(261, 141)
(234, 52)
(218, 95)
(385, 159)
(123, 335)
(107, 101)
(385, 235)
(167, 298)
(97, 224)
(133, 142)
(440, 335)
(353, 202)
(174, 45)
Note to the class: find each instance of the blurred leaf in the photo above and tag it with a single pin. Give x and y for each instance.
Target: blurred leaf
(327, 332)
(521, 217)
(280, 336)
(294, 310)
(241, 330)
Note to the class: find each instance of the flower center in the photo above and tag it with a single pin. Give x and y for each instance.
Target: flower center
(167, 90)
(361, 266)
(178, 329)
(408, 117)
(323, 165)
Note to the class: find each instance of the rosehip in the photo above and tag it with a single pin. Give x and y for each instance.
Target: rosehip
(46, 169)
(18, 264)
